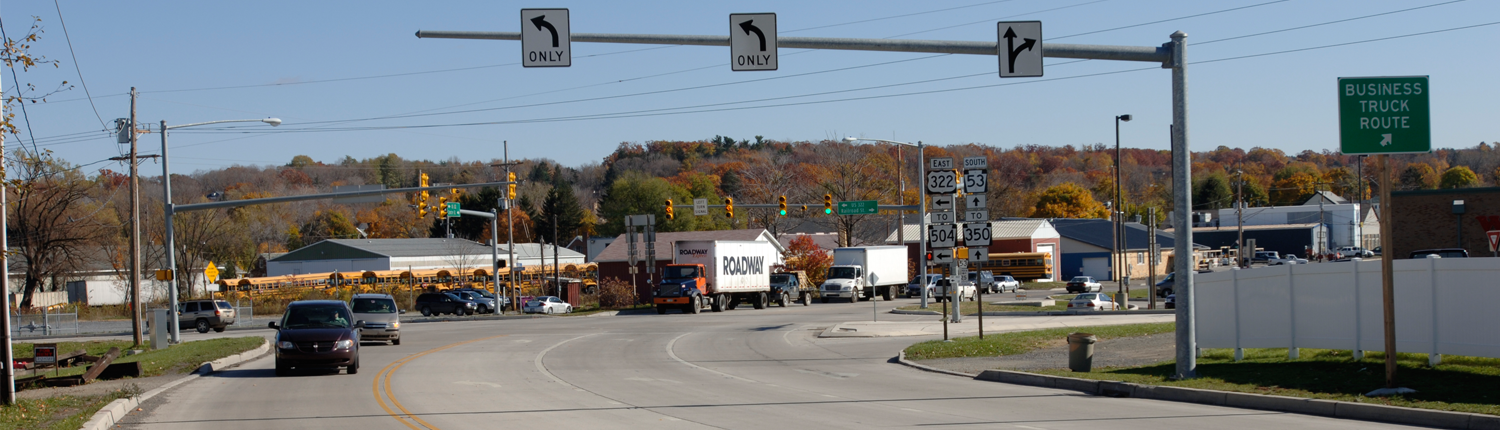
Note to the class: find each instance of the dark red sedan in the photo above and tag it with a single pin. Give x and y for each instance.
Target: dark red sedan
(317, 334)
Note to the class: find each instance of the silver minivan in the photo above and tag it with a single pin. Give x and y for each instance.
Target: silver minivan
(381, 316)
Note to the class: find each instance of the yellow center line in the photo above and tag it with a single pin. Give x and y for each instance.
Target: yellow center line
(383, 379)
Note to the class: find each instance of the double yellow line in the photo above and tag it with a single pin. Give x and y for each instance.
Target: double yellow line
(382, 387)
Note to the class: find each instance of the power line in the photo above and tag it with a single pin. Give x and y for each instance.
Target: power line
(76, 67)
(17, 79)
(1169, 19)
(1327, 23)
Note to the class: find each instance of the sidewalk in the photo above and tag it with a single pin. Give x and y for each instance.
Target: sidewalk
(970, 325)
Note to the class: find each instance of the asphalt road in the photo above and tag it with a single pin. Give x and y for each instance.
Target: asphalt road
(742, 369)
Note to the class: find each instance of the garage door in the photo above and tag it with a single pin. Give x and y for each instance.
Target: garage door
(1096, 267)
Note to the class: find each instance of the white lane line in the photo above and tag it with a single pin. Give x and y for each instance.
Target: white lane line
(912, 410)
(673, 343)
(543, 369)
(1030, 427)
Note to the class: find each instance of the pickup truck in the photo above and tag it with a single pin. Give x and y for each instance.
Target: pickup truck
(1289, 259)
(1264, 257)
(964, 289)
(791, 285)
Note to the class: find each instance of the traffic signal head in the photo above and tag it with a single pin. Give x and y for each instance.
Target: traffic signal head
(670, 214)
(455, 192)
(422, 212)
(929, 255)
(728, 207)
(424, 180)
(828, 204)
(510, 192)
(782, 202)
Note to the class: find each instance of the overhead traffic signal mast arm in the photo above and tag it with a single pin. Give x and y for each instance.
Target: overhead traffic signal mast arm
(285, 199)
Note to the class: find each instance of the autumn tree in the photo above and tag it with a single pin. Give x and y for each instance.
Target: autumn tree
(54, 219)
(804, 254)
(850, 172)
(1458, 177)
(1068, 200)
(1294, 189)
(1419, 176)
(327, 224)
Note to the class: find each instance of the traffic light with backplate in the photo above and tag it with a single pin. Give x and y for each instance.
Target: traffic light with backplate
(728, 207)
(510, 192)
(782, 203)
(828, 204)
(670, 214)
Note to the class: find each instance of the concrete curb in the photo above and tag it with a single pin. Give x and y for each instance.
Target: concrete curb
(1325, 408)
(113, 412)
(901, 358)
(1046, 313)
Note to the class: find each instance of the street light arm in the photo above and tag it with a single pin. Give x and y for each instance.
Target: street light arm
(856, 139)
(273, 121)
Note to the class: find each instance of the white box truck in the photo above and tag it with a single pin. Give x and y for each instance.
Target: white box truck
(715, 274)
(865, 271)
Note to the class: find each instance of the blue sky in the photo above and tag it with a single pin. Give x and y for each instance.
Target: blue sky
(312, 62)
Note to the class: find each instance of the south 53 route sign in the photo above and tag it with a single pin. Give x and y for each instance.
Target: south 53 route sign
(1384, 115)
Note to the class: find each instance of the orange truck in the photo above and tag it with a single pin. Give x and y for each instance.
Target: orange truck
(717, 275)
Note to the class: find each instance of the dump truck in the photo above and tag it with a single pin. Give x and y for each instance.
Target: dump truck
(864, 272)
(715, 274)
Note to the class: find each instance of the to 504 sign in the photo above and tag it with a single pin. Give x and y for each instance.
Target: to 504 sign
(942, 182)
(977, 234)
(942, 235)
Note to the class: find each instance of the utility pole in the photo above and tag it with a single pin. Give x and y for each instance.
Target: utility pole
(135, 234)
(1239, 214)
(8, 386)
(556, 273)
(1153, 252)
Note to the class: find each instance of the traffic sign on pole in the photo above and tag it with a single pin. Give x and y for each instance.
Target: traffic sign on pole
(1020, 45)
(940, 218)
(942, 202)
(977, 234)
(859, 207)
(976, 181)
(211, 272)
(1494, 236)
(752, 41)
(1384, 115)
(975, 201)
(971, 163)
(545, 41)
(942, 256)
(982, 215)
(942, 235)
(941, 182)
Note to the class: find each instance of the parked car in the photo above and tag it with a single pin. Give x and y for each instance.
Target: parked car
(916, 286)
(1355, 251)
(1289, 259)
(1264, 257)
(1171, 302)
(381, 316)
(963, 288)
(982, 281)
(547, 305)
(483, 305)
(1005, 283)
(204, 315)
(444, 303)
(1092, 301)
(497, 303)
(317, 333)
(1164, 286)
(1083, 284)
(1441, 252)
(1376, 250)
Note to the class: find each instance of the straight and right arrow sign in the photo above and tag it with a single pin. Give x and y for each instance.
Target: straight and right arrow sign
(1020, 45)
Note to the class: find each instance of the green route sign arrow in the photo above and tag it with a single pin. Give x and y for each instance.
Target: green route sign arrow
(858, 207)
(452, 209)
(1384, 115)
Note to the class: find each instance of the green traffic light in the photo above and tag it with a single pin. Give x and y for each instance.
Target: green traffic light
(783, 212)
(827, 211)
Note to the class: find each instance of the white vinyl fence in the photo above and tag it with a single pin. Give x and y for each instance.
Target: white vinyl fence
(1443, 306)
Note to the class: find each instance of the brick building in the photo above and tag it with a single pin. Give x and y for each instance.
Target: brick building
(614, 260)
(1426, 219)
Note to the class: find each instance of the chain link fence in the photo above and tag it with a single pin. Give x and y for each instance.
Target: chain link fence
(43, 324)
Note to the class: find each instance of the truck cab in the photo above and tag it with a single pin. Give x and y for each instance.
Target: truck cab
(682, 285)
(843, 282)
(788, 286)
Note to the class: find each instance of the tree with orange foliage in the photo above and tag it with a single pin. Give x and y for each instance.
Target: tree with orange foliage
(802, 253)
(1068, 200)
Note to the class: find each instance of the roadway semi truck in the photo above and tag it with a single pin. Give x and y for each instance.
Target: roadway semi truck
(864, 272)
(715, 274)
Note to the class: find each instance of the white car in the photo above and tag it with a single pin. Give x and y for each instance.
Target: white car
(1355, 251)
(1092, 301)
(1289, 259)
(964, 289)
(1005, 283)
(1083, 284)
(547, 305)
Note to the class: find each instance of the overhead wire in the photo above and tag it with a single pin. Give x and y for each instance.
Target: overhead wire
(17, 79)
(76, 67)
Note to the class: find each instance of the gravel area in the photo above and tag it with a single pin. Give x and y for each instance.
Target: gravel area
(100, 387)
(1132, 351)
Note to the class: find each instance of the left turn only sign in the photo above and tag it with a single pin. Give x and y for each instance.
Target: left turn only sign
(752, 41)
(545, 39)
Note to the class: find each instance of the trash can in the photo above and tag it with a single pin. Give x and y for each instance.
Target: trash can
(1081, 351)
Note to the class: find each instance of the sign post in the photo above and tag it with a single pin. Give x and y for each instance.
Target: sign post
(1383, 116)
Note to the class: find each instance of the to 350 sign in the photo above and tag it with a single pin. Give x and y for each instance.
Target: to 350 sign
(942, 182)
(977, 234)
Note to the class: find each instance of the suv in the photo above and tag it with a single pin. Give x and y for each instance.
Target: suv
(317, 333)
(444, 303)
(1264, 257)
(204, 315)
(1441, 252)
(1164, 286)
(381, 316)
(495, 303)
(1355, 251)
(483, 302)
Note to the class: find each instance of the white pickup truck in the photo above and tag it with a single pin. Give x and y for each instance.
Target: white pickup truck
(1288, 259)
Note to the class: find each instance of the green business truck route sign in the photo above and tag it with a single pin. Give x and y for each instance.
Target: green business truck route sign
(1384, 115)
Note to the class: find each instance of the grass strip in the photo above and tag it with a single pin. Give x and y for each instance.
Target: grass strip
(1024, 341)
(973, 307)
(54, 413)
(181, 358)
(1460, 384)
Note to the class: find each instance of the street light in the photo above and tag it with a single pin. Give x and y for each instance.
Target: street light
(921, 209)
(1122, 275)
(169, 209)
